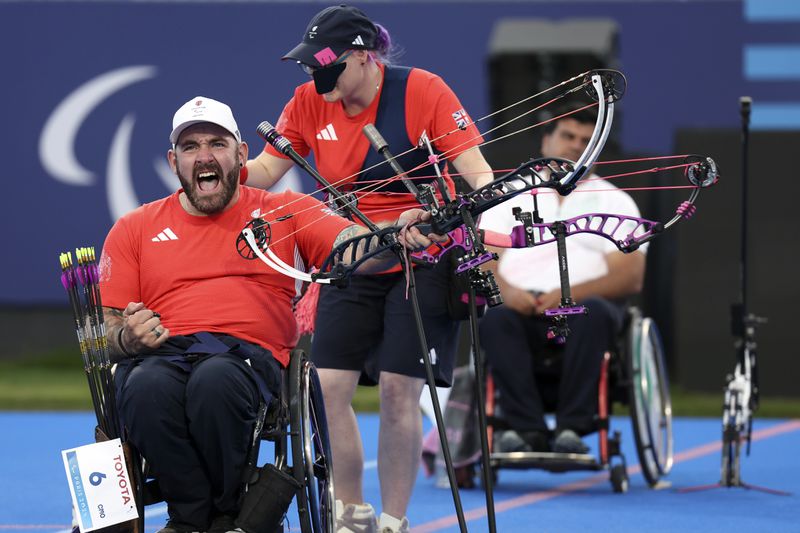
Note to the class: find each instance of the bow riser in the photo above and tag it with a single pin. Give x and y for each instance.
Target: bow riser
(604, 225)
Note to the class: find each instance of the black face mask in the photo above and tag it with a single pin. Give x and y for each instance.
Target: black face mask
(325, 78)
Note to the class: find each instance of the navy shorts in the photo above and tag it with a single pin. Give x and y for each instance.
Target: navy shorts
(369, 326)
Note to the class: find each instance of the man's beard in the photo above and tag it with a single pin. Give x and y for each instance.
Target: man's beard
(211, 204)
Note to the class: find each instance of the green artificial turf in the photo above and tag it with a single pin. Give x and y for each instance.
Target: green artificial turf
(56, 381)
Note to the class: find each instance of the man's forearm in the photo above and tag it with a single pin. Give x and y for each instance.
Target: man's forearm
(115, 322)
(624, 278)
(377, 263)
(408, 237)
(600, 288)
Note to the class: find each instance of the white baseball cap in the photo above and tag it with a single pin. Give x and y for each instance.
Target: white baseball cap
(201, 109)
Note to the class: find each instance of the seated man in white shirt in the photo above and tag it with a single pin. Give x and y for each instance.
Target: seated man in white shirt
(601, 277)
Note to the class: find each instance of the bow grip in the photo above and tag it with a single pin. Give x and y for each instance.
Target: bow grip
(425, 228)
(435, 250)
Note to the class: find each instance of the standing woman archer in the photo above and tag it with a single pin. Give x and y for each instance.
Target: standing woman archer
(353, 85)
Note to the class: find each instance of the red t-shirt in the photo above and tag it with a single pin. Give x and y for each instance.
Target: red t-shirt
(340, 147)
(187, 267)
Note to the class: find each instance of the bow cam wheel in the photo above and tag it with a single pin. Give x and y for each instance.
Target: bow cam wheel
(262, 234)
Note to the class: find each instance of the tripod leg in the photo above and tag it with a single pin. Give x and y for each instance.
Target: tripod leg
(480, 378)
(730, 436)
(437, 410)
(736, 479)
(725, 474)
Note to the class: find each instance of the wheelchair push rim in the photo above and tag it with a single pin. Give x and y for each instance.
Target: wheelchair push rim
(651, 407)
(311, 452)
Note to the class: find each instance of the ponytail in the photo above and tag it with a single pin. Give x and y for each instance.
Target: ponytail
(385, 51)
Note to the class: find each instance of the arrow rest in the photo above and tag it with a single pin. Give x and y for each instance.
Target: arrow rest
(342, 204)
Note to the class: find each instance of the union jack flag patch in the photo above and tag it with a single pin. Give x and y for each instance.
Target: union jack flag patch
(461, 118)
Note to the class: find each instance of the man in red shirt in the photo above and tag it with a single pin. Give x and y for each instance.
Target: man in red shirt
(184, 312)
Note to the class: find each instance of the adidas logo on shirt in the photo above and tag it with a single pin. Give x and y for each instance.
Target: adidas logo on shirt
(327, 134)
(165, 235)
(358, 40)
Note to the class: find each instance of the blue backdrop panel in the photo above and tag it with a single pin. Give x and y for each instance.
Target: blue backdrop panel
(89, 90)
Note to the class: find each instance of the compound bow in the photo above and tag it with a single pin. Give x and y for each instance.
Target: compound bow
(457, 218)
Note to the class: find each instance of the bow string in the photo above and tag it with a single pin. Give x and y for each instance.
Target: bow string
(613, 82)
(562, 176)
(627, 233)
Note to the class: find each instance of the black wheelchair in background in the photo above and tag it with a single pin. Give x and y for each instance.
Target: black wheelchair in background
(295, 423)
(633, 374)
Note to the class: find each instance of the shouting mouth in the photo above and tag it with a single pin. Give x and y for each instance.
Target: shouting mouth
(208, 181)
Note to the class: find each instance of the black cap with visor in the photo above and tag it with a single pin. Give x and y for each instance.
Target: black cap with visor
(332, 32)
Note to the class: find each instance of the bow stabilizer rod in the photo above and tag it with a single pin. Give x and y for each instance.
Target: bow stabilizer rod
(268, 132)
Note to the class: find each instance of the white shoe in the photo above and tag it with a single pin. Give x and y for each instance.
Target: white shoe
(390, 524)
(352, 518)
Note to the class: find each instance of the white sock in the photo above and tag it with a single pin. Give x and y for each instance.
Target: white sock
(389, 521)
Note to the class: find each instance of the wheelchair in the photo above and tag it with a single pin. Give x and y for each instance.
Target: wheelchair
(298, 430)
(634, 374)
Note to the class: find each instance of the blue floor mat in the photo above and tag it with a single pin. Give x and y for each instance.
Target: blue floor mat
(35, 496)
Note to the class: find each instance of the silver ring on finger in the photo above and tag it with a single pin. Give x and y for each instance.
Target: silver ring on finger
(156, 332)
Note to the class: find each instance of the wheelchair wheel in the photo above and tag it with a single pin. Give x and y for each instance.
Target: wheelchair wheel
(619, 479)
(651, 407)
(311, 451)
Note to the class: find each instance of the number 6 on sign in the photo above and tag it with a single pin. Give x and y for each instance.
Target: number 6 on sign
(100, 486)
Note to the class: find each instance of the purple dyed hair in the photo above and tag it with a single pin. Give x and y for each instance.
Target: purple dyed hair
(385, 51)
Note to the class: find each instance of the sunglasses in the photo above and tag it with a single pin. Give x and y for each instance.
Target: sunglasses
(325, 78)
(308, 69)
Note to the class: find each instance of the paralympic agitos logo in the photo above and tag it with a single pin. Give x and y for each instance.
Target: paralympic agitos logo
(59, 134)
(57, 140)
